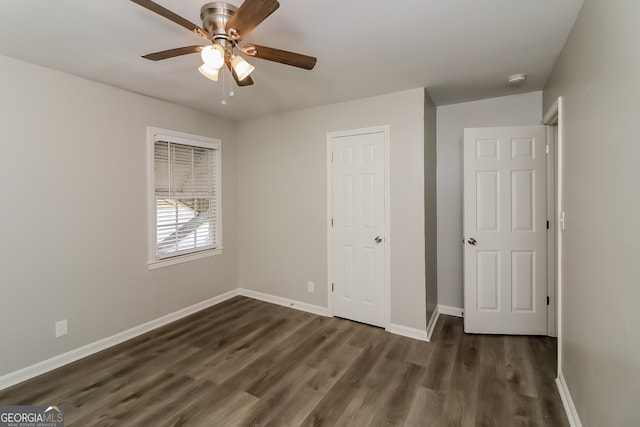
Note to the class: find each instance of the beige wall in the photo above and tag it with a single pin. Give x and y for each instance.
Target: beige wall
(283, 200)
(74, 213)
(75, 150)
(597, 74)
(514, 110)
(430, 207)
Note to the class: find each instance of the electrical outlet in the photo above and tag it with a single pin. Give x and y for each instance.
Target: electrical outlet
(311, 286)
(61, 328)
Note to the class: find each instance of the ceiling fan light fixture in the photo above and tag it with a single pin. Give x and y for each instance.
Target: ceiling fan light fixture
(241, 67)
(209, 72)
(213, 56)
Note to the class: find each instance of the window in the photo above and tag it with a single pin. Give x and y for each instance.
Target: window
(184, 197)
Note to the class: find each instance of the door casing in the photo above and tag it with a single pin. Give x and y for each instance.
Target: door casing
(554, 117)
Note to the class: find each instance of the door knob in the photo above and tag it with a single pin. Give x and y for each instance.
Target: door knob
(378, 239)
(472, 241)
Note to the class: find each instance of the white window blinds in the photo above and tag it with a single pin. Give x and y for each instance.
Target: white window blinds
(186, 175)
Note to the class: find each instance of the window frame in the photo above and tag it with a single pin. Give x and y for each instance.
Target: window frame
(153, 261)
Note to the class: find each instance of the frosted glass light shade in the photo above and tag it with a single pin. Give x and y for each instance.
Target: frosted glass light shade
(241, 67)
(213, 56)
(208, 72)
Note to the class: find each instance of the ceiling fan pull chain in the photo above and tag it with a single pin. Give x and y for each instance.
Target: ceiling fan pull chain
(224, 100)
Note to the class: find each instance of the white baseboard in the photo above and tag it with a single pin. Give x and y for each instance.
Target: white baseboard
(450, 311)
(324, 311)
(405, 331)
(567, 401)
(433, 321)
(87, 350)
(303, 306)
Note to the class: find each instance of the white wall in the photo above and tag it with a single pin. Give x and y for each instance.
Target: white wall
(514, 110)
(597, 75)
(283, 200)
(74, 213)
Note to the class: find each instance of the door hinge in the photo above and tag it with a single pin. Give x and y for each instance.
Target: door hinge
(332, 157)
(332, 287)
(547, 300)
(547, 224)
(332, 222)
(546, 149)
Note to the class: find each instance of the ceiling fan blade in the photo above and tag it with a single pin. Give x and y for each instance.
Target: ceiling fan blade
(248, 16)
(281, 56)
(248, 81)
(162, 11)
(171, 53)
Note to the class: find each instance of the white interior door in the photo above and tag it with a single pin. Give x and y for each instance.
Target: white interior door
(358, 241)
(505, 230)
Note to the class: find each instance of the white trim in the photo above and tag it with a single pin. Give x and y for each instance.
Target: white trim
(158, 134)
(431, 326)
(298, 305)
(87, 350)
(551, 231)
(386, 130)
(555, 116)
(183, 258)
(329, 226)
(60, 360)
(151, 197)
(567, 401)
(181, 137)
(405, 331)
(450, 311)
(194, 140)
(387, 219)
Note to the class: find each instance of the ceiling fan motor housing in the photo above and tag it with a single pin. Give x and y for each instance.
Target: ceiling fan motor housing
(215, 17)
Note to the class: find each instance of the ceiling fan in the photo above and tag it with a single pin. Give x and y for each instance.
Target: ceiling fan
(225, 26)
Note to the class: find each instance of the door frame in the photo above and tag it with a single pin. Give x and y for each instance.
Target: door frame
(551, 230)
(554, 117)
(387, 235)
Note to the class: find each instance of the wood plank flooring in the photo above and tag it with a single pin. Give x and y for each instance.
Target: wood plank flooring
(247, 362)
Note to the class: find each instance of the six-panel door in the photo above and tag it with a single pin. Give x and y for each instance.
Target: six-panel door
(505, 230)
(358, 241)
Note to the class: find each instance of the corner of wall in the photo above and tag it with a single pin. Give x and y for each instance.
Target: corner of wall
(430, 208)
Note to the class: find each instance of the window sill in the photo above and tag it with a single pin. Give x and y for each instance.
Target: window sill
(183, 258)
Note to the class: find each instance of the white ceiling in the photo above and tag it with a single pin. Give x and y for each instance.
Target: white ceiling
(460, 50)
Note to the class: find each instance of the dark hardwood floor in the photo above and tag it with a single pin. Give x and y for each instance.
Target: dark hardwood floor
(246, 362)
